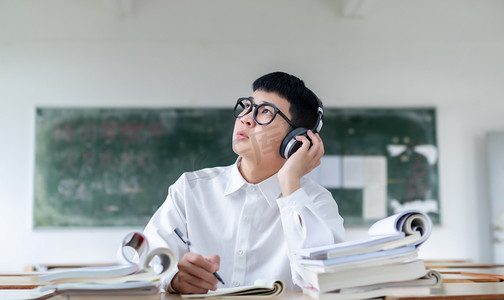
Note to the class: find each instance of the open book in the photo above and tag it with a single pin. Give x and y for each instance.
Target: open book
(147, 290)
(408, 222)
(139, 275)
(261, 288)
(402, 229)
(140, 264)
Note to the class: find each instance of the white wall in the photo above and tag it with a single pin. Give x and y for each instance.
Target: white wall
(447, 54)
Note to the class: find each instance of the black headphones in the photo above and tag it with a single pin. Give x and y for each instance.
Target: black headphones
(290, 144)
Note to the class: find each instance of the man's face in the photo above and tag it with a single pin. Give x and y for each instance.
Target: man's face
(258, 142)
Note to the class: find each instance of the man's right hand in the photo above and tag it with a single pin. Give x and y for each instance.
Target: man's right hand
(195, 274)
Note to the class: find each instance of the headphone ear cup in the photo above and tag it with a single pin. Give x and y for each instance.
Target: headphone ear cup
(290, 144)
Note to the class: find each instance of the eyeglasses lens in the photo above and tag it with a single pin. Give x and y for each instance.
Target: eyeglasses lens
(263, 115)
(242, 108)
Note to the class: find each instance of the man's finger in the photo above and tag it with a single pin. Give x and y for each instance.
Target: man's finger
(196, 266)
(197, 281)
(200, 261)
(188, 286)
(202, 275)
(215, 260)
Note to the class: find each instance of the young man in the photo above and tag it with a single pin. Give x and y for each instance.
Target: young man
(245, 220)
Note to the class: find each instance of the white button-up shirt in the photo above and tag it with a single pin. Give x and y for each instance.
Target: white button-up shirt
(250, 226)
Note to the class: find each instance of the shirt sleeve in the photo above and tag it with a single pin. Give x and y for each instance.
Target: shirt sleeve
(310, 218)
(160, 229)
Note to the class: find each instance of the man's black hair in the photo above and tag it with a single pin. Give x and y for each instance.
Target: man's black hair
(303, 102)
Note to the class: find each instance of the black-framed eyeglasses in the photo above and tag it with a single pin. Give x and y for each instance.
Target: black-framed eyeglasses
(264, 113)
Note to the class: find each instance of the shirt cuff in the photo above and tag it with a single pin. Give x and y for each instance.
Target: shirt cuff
(292, 210)
(296, 201)
(167, 281)
(170, 289)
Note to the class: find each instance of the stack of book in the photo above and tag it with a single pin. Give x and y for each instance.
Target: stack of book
(140, 274)
(385, 263)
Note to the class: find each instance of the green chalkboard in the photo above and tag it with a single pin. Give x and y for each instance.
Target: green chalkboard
(97, 167)
(112, 167)
(405, 138)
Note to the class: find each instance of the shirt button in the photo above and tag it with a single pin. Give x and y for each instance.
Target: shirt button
(240, 252)
(236, 283)
(251, 189)
(245, 218)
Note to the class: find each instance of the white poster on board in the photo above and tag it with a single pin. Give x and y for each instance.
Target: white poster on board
(375, 188)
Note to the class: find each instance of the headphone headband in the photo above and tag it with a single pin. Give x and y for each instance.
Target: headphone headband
(290, 144)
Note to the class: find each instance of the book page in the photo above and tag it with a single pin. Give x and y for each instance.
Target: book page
(358, 257)
(348, 245)
(24, 294)
(261, 287)
(409, 221)
(150, 265)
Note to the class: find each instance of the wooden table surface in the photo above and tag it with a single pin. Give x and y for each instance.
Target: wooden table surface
(488, 290)
(447, 290)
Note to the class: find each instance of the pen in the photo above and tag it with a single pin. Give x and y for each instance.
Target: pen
(188, 243)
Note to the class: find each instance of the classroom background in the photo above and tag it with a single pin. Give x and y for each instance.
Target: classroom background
(448, 55)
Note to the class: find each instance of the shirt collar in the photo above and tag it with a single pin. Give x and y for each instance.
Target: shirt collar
(270, 187)
(236, 180)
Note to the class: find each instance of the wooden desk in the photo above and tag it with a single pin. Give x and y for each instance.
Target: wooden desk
(456, 290)
(288, 295)
(489, 290)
